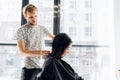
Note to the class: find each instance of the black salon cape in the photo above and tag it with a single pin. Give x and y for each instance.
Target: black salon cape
(57, 69)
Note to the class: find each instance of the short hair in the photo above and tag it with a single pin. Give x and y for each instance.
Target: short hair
(60, 43)
(29, 8)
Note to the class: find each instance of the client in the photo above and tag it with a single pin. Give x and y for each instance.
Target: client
(54, 68)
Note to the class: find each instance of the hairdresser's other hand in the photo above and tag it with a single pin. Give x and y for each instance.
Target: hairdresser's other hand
(45, 53)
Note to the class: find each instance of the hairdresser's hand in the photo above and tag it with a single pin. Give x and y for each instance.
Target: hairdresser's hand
(45, 53)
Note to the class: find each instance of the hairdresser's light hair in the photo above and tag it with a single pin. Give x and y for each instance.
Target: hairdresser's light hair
(29, 8)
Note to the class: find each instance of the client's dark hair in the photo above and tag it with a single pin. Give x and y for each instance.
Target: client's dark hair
(60, 43)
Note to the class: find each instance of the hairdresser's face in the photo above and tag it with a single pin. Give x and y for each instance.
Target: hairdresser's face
(31, 17)
(67, 50)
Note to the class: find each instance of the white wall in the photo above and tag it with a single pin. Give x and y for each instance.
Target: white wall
(117, 32)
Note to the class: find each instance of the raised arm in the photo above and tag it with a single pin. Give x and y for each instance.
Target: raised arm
(51, 36)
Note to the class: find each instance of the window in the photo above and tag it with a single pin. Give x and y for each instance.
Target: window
(89, 23)
(10, 16)
(10, 20)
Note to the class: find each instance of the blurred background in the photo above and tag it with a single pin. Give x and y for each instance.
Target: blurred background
(93, 25)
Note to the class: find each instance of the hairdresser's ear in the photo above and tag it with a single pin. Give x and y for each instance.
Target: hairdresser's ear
(25, 16)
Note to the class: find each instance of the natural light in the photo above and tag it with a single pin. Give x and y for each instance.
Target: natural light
(88, 22)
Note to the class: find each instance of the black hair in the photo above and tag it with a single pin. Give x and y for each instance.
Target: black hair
(60, 43)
